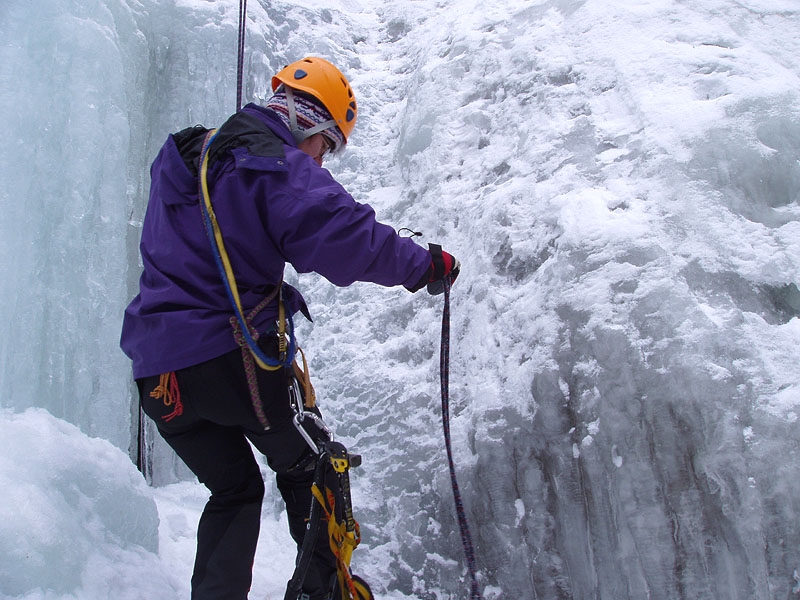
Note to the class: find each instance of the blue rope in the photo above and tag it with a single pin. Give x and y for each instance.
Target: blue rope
(251, 342)
(444, 369)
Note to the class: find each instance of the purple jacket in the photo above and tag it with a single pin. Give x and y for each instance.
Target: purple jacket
(274, 205)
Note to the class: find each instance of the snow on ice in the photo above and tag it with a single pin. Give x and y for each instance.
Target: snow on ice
(620, 182)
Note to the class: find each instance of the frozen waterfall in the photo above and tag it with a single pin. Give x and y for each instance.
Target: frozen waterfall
(621, 182)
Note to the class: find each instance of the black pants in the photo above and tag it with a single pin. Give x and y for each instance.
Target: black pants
(210, 435)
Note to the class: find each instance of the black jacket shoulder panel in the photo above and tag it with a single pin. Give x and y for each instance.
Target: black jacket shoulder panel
(189, 142)
(246, 130)
(238, 131)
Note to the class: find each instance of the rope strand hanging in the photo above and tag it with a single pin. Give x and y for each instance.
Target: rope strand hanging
(444, 370)
(240, 61)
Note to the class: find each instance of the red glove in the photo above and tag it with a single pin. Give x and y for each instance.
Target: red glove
(443, 266)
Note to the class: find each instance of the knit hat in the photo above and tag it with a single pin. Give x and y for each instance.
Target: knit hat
(309, 114)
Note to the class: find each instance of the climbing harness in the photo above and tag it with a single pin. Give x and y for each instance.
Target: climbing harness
(240, 60)
(444, 370)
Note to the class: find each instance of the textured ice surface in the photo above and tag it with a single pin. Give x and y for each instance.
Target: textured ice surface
(621, 185)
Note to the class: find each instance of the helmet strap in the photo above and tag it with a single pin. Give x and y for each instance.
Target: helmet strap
(299, 134)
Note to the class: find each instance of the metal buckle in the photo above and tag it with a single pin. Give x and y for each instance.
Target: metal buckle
(318, 422)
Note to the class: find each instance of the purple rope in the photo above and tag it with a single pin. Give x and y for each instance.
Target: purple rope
(240, 61)
(444, 369)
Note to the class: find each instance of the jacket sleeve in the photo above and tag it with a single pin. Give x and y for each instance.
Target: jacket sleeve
(319, 227)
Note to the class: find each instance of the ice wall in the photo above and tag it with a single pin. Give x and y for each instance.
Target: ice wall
(71, 106)
(90, 91)
(621, 185)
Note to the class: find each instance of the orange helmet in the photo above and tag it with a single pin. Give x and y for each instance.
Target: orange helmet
(321, 79)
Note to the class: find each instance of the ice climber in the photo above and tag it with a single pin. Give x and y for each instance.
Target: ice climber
(274, 204)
